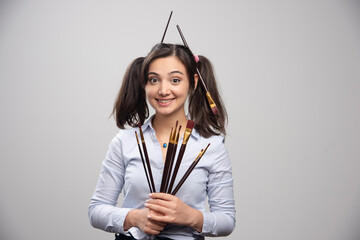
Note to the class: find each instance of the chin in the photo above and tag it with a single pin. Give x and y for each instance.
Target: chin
(164, 113)
(168, 112)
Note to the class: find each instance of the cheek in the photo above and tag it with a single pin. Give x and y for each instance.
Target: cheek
(183, 92)
(149, 91)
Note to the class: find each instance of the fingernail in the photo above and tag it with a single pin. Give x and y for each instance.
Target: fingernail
(149, 216)
(146, 204)
(150, 194)
(147, 200)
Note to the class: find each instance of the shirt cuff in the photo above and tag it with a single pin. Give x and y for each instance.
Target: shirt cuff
(136, 233)
(133, 231)
(208, 224)
(124, 212)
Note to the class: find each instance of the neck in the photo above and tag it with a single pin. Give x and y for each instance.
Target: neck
(163, 124)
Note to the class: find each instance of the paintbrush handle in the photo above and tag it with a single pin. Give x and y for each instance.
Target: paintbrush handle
(211, 102)
(170, 169)
(143, 162)
(192, 166)
(148, 166)
(167, 25)
(202, 80)
(166, 167)
(177, 165)
(183, 179)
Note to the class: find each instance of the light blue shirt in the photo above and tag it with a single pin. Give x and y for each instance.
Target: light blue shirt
(122, 170)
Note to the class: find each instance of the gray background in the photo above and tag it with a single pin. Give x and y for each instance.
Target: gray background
(289, 73)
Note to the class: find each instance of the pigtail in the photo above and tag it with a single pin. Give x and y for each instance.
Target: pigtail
(207, 124)
(130, 106)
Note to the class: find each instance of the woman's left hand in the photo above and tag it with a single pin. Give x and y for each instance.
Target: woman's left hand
(174, 211)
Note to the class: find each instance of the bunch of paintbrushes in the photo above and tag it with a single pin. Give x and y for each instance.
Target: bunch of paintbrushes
(170, 171)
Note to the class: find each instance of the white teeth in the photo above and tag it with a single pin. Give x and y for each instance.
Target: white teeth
(164, 101)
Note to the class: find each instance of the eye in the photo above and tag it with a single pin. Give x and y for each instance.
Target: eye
(175, 80)
(153, 80)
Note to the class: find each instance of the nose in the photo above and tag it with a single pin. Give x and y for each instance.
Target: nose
(164, 89)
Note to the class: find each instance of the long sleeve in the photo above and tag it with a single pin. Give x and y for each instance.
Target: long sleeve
(122, 171)
(103, 212)
(220, 221)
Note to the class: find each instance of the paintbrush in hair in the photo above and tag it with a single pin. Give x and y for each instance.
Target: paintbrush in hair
(210, 100)
(162, 39)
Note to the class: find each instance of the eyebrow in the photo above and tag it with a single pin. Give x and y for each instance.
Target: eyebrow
(176, 72)
(153, 73)
(172, 72)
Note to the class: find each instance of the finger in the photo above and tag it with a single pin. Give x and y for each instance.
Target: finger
(152, 213)
(157, 208)
(155, 213)
(151, 231)
(155, 225)
(160, 202)
(164, 196)
(161, 224)
(157, 218)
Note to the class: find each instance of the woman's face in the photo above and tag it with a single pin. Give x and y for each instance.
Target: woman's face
(167, 86)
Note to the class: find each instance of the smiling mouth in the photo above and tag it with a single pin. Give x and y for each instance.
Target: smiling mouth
(164, 101)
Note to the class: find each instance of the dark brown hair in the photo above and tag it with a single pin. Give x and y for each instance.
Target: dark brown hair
(131, 107)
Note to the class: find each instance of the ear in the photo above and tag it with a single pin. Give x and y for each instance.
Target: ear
(196, 79)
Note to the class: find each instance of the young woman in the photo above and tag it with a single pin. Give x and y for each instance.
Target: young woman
(165, 79)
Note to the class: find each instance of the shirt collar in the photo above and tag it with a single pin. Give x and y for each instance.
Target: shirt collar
(195, 134)
(148, 124)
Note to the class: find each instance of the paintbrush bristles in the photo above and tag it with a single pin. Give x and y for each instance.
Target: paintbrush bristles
(137, 139)
(205, 150)
(141, 133)
(199, 155)
(211, 102)
(174, 134)
(189, 126)
(171, 134)
(215, 110)
(178, 135)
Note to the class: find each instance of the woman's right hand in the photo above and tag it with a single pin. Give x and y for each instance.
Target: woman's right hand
(139, 218)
